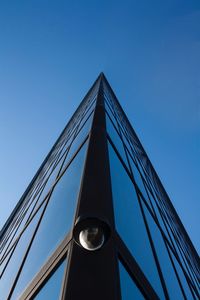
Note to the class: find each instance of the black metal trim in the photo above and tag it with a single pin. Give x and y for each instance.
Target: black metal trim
(134, 270)
(47, 269)
(100, 268)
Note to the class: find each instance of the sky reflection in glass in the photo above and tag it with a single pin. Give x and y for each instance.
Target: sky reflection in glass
(129, 221)
(129, 290)
(51, 290)
(56, 222)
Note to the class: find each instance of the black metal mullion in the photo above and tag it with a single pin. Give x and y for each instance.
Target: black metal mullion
(177, 275)
(12, 249)
(151, 242)
(144, 184)
(46, 271)
(165, 238)
(96, 272)
(27, 251)
(156, 178)
(88, 274)
(127, 171)
(47, 199)
(134, 270)
(153, 250)
(20, 203)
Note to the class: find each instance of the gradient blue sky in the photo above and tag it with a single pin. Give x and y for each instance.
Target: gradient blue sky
(52, 51)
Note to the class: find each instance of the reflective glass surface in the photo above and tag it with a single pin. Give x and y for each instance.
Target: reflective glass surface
(164, 260)
(89, 109)
(51, 290)
(159, 217)
(182, 278)
(12, 268)
(5, 260)
(129, 290)
(83, 130)
(48, 185)
(115, 139)
(129, 221)
(138, 179)
(111, 115)
(56, 221)
(17, 228)
(108, 101)
(80, 136)
(127, 143)
(13, 236)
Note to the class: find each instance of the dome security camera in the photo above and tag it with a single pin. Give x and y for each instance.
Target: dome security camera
(91, 233)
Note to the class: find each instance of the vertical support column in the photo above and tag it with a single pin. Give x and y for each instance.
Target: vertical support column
(94, 274)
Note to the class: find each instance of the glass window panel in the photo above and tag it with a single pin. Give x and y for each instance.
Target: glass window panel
(187, 268)
(5, 238)
(163, 257)
(172, 232)
(88, 111)
(111, 115)
(129, 221)
(47, 186)
(17, 227)
(159, 217)
(51, 290)
(84, 129)
(11, 237)
(56, 221)
(115, 139)
(128, 146)
(108, 100)
(91, 99)
(129, 290)
(182, 278)
(12, 268)
(14, 237)
(4, 262)
(66, 144)
(139, 166)
(138, 179)
(79, 139)
(117, 123)
(133, 150)
(107, 105)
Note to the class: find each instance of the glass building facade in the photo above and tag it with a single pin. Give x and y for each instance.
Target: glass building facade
(95, 222)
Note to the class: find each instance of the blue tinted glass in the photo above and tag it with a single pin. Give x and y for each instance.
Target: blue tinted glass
(48, 185)
(129, 290)
(6, 257)
(129, 221)
(126, 141)
(158, 214)
(83, 131)
(15, 233)
(139, 165)
(115, 139)
(111, 114)
(12, 236)
(62, 151)
(56, 223)
(108, 101)
(88, 111)
(138, 179)
(182, 278)
(13, 266)
(51, 290)
(81, 135)
(17, 226)
(163, 257)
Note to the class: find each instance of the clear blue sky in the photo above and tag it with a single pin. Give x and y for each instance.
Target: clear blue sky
(52, 51)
